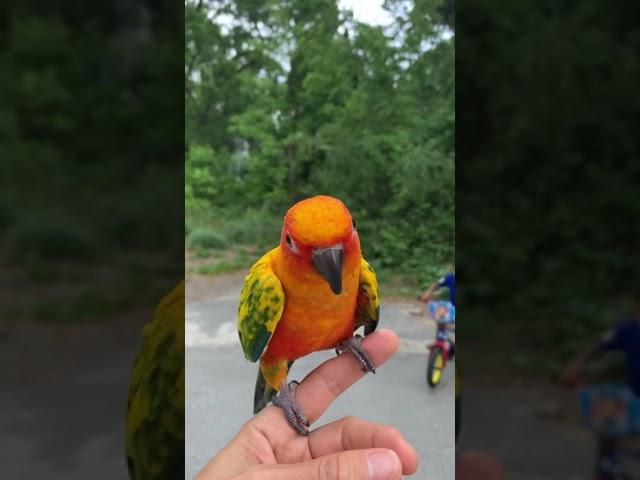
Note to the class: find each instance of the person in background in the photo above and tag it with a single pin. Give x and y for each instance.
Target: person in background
(449, 281)
(623, 337)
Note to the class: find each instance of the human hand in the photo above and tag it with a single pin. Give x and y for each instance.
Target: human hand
(267, 448)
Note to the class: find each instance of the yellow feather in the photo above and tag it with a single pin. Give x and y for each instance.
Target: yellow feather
(155, 414)
(261, 306)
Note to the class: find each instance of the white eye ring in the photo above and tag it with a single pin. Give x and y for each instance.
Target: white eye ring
(291, 243)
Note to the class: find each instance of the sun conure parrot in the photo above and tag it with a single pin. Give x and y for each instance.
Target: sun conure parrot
(155, 407)
(310, 293)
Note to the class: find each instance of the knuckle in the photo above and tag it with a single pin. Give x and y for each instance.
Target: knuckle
(330, 384)
(336, 467)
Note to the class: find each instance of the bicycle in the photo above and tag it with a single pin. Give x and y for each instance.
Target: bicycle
(443, 348)
(613, 413)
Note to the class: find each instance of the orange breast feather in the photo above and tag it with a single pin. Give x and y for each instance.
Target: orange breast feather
(314, 318)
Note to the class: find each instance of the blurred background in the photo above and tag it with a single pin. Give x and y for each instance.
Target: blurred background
(91, 221)
(79, 83)
(547, 228)
(288, 99)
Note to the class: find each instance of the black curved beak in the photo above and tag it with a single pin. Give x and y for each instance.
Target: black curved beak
(328, 263)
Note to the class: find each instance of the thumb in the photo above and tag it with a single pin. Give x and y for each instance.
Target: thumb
(369, 464)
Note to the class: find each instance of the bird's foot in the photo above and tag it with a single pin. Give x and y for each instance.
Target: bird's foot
(285, 399)
(354, 346)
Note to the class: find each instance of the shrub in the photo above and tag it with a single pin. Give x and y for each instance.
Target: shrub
(253, 228)
(206, 238)
(52, 238)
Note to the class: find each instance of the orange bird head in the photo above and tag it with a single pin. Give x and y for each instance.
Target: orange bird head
(319, 233)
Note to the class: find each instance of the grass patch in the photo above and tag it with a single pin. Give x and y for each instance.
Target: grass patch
(409, 292)
(90, 304)
(219, 268)
(96, 304)
(83, 293)
(241, 259)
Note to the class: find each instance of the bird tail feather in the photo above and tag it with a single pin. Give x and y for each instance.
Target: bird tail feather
(263, 393)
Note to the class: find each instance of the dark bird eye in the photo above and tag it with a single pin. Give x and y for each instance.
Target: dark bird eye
(289, 240)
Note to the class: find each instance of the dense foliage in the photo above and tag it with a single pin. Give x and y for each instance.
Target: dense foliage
(86, 143)
(91, 156)
(287, 99)
(547, 207)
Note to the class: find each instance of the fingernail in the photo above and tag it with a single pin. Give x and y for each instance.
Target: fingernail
(382, 465)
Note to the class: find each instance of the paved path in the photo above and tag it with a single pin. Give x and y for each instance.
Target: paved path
(63, 400)
(535, 433)
(220, 382)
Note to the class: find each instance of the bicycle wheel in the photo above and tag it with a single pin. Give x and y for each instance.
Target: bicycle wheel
(435, 366)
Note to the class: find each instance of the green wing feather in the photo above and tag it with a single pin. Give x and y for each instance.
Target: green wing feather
(368, 306)
(155, 408)
(261, 305)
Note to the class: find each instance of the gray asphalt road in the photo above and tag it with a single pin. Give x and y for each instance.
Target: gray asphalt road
(510, 424)
(220, 382)
(62, 415)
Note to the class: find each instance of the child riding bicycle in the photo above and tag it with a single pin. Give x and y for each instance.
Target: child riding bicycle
(448, 281)
(624, 337)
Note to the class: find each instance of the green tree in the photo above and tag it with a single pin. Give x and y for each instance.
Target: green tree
(294, 98)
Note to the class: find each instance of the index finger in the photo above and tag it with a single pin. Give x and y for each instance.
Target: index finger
(324, 384)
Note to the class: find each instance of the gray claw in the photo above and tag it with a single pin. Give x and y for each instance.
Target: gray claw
(353, 345)
(285, 399)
